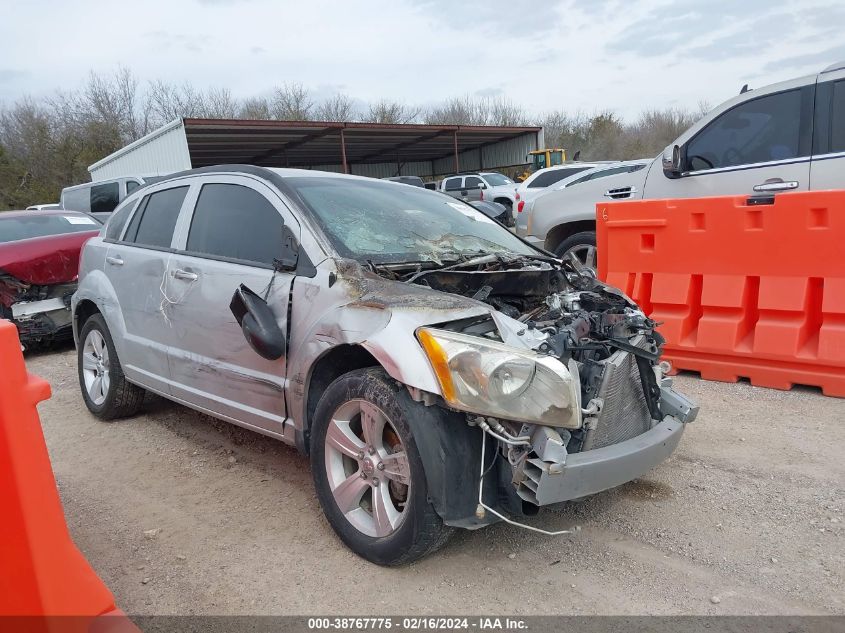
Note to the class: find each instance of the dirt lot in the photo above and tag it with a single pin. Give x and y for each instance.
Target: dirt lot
(745, 518)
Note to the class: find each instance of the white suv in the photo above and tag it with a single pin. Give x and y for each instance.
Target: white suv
(788, 136)
(545, 179)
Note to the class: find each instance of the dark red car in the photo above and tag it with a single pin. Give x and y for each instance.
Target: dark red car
(39, 263)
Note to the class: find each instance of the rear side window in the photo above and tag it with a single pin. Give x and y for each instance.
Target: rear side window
(837, 123)
(104, 198)
(452, 184)
(155, 219)
(131, 185)
(117, 221)
(549, 178)
(236, 222)
(757, 131)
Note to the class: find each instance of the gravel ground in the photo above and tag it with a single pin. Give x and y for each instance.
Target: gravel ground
(182, 514)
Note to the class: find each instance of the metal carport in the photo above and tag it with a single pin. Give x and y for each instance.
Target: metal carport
(368, 149)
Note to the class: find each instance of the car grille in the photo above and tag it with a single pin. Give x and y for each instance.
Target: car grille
(625, 412)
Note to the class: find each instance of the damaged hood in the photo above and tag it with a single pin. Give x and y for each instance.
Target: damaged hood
(43, 261)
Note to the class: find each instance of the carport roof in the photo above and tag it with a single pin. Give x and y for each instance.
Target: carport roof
(312, 143)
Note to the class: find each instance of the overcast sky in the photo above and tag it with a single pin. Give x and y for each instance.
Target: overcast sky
(575, 55)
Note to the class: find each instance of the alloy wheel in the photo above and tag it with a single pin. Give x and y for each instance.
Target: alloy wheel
(367, 467)
(95, 367)
(585, 255)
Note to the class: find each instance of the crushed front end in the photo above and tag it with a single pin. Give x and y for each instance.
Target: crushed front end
(565, 375)
(40, 312)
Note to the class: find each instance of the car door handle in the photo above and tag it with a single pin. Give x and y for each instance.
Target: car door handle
(776, 185)
(185, 275)
(114, 260)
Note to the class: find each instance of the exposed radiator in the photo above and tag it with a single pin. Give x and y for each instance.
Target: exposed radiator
(625, 413)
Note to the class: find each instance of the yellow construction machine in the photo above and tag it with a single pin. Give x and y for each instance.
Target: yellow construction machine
(540, 159)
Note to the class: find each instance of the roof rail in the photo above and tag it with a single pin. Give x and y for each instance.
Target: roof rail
(836, 66)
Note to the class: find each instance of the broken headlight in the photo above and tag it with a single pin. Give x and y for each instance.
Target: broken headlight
(494, 379)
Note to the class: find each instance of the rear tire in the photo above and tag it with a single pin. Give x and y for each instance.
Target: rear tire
(583, 247)
(505, 202)
(363, 423)
(105, 390)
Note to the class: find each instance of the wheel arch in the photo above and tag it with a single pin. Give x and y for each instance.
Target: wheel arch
(85, 309)
(563, 231)
(328, 367)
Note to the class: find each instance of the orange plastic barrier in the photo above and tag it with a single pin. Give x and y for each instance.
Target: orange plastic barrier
(42, 573)
(743, 290)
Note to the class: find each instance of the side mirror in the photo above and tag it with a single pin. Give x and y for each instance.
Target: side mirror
(258, 323)
(672, 161)
(481, 185)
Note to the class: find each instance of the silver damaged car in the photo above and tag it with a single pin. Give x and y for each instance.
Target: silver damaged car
(440, 372)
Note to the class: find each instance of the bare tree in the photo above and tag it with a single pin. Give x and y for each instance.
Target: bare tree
(336, 108)
(219, 104)
(291, 102)
(255, 108)
(168, 102)
(386, 111)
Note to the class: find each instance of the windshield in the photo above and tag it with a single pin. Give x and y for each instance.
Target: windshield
(24, 227)
(497, 180)
(383, 223)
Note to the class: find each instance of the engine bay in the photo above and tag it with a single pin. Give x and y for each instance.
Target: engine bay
(565, 314)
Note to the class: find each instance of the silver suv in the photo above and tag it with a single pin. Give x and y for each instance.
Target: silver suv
(788, 136)
(439, 371)
(486, 185)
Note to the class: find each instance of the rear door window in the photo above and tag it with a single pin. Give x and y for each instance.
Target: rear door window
(549, 178)
(104, 198)
(154, 221)
(117, 220)
(236, 222)
(453, 184)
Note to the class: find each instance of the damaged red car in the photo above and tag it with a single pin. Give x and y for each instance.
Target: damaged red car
(39, 263)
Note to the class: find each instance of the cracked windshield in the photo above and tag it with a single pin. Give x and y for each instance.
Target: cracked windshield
(392, 223)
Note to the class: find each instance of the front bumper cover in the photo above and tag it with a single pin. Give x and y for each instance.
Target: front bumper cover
(600, 469)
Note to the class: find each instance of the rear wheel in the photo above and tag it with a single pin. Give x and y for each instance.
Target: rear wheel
(368, 473)
(505, 202)
(581, 247)
(106, 392)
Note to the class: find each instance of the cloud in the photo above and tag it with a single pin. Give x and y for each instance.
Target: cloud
(668, 29)
(818, 60)
(495, 17)
(191, 43)
(490, 92)
(8, 75)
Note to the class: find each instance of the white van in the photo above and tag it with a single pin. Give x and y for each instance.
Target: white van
(101, 197)
(788, 136)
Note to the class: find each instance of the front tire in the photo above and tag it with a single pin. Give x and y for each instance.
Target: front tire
(581, 246)
(368, 472)
(105, 390)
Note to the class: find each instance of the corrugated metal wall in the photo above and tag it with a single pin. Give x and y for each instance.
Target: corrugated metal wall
(166, 151)
(382, 170)
(163, 152)
(496, 155)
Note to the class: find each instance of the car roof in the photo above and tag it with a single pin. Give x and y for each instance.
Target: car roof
(560, 184)
(587, 164)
